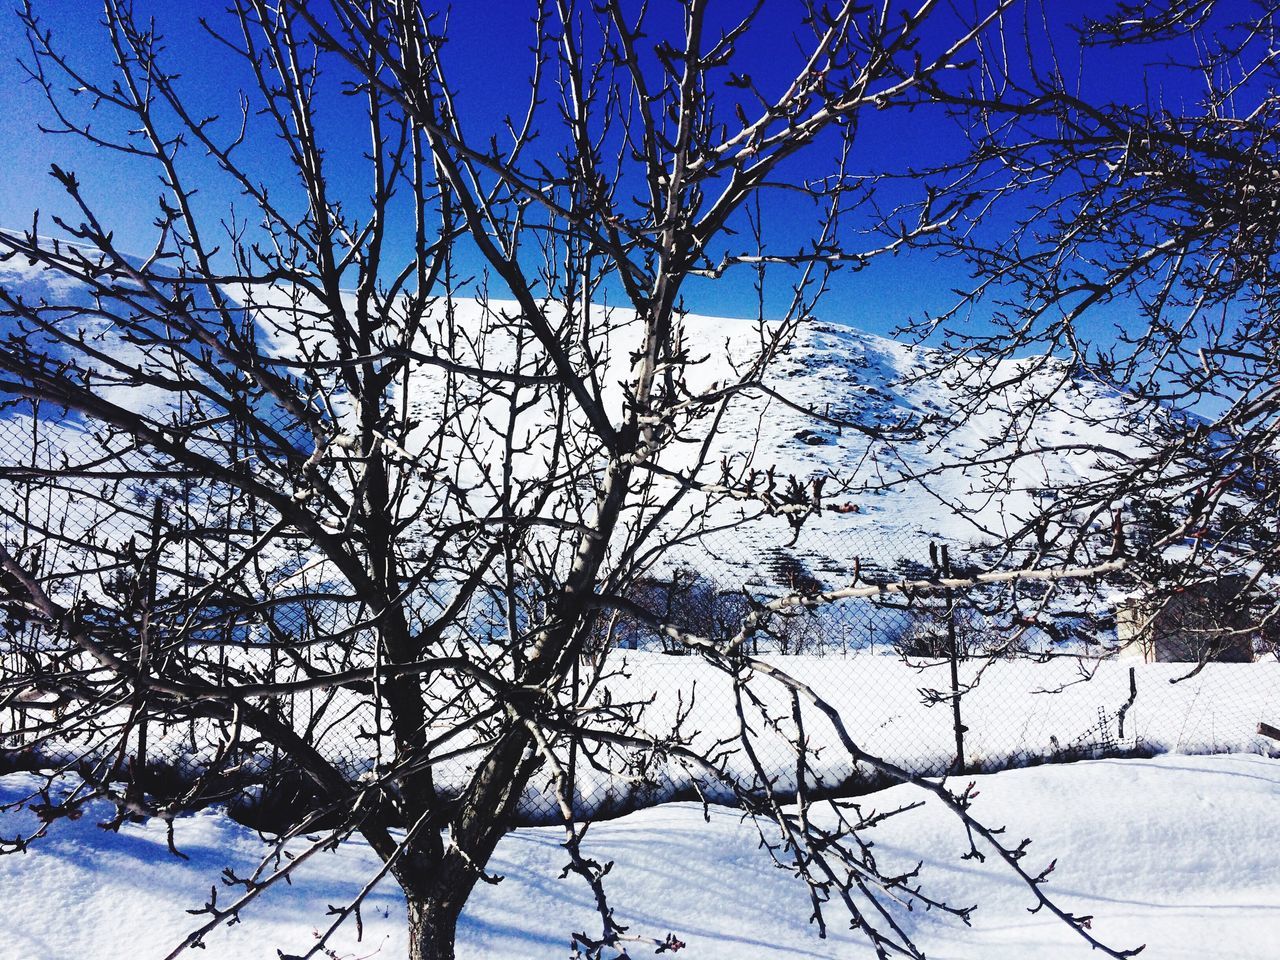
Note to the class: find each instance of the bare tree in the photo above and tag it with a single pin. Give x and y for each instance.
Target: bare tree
(344, 482)
(1128, 239)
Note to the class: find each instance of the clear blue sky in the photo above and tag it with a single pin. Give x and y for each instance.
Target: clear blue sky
(489, 60)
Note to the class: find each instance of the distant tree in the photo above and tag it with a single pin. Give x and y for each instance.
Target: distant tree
(341, 480)
(1132, 240)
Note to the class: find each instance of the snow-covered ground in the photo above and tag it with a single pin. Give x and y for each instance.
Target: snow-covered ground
(1176, 852)
(1018, 713)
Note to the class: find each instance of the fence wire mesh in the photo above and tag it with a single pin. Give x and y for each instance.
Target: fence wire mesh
(934, 682)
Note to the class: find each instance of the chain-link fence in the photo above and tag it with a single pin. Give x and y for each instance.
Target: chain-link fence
(940, 681)
(933, 680)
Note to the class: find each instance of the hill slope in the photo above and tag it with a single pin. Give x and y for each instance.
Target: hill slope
(884, 499)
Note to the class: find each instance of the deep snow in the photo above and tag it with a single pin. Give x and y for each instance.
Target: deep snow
(1176, 852)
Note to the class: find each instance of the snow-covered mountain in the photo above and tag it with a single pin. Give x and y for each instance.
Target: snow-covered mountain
(884, 500)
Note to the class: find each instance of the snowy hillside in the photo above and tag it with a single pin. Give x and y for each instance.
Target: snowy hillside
(869, 510)
(875, 507)
(872, 507)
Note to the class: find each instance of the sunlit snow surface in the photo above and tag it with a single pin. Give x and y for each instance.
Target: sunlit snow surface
(1176, 852)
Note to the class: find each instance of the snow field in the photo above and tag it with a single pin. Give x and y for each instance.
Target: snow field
(1018, 712)
(1176, 852)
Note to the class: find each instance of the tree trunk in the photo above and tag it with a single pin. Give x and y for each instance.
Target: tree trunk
(433, 924)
